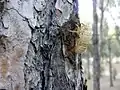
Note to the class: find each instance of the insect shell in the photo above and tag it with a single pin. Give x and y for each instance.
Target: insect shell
(83, 38)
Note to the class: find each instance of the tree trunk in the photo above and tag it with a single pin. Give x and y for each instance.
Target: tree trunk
(88, 65)
(31, 48)
(101, 26)
(101, 21)
(96, 56)
(110, 63)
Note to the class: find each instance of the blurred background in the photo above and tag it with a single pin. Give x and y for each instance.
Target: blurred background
(108, 12)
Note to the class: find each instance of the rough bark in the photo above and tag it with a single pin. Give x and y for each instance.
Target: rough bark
(31, 48)
(96, 56)
(14, 37)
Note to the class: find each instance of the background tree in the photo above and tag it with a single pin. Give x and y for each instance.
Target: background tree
(96, 56)
(88, 64)
(110, 62)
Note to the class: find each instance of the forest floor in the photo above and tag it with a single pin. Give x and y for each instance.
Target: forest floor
(105, 85)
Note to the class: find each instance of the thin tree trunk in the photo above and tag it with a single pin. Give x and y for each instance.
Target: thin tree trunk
(96, 56)
(101, 21)
(110, 63)
(88, 65)
(101, 26)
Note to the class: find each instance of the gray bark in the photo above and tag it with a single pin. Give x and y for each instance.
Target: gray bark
(88, 65)
(96, 56)
(101, 19)
(31, 47)
(110, 63)
(101, 26)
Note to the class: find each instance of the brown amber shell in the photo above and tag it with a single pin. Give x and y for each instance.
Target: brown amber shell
(77, 40)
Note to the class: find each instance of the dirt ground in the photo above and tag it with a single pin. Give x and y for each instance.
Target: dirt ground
(105, 85)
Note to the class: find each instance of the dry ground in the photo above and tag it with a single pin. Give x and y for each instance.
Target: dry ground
(105, 84)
